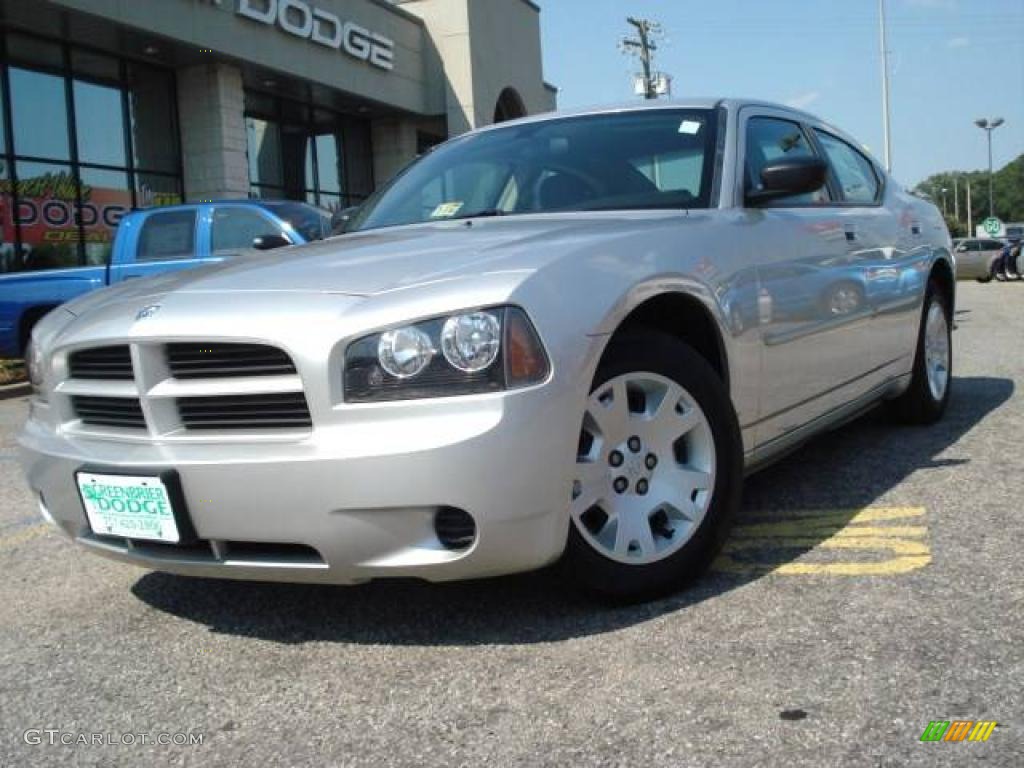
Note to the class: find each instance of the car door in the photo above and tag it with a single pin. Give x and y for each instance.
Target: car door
(813, 321)
(879, 250)
(163, 241)
(968, 259)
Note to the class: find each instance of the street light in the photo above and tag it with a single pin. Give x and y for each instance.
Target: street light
(945, 211)
(988, 126)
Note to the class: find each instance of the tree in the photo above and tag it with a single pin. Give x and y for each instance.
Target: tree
(1007, 192)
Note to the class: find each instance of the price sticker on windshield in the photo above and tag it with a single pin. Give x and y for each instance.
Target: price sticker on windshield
(690, 127)
(446, 210)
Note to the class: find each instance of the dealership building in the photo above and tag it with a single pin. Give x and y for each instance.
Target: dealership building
(113, 104)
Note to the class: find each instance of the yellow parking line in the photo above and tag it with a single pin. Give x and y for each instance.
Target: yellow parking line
(770, 545)
(774, 530)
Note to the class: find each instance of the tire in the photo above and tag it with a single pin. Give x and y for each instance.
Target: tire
(922, 403)
(682, 515)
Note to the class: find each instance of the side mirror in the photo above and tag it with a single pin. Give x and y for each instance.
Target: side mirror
(270, 242)
(789, 176)
(341, 218)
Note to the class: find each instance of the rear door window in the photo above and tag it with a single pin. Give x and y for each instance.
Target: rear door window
(855, 174)
(168, 235)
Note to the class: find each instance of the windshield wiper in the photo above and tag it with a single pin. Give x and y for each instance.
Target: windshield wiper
(484, 214)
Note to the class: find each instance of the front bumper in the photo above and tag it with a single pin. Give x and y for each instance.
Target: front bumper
(358, 498)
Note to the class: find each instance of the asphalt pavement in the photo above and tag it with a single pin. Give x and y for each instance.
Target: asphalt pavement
(873, 585)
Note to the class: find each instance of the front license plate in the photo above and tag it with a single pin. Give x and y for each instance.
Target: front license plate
(132, 507)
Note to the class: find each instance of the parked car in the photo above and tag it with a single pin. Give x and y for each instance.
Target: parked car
(150, 242)
(520, 351)
(976, 257)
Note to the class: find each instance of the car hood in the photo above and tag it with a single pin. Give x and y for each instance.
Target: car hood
(369, 263)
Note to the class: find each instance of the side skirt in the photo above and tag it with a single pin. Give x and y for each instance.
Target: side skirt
(783, 445)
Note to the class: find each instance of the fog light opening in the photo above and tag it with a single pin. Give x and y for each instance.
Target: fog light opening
(454, 528)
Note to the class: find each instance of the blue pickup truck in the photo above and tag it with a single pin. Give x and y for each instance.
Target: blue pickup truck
(151, 242)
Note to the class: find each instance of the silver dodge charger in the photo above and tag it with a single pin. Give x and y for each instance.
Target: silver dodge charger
(561, 338)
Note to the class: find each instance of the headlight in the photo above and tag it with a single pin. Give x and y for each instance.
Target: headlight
(404, 352)
(471, 342)
(34, 365)
(486, 350)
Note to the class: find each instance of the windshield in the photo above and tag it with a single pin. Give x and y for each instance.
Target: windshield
(620, 161)
(311, 223)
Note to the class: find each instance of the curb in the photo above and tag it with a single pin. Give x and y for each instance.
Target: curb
(10, 391)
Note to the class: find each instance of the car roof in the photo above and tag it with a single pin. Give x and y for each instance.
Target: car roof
(731, 104)
(654, 105)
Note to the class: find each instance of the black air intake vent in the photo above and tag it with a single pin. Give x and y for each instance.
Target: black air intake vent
(122, 412)
(196, 360)
(111, 363)
(276, 411)
(455, 528)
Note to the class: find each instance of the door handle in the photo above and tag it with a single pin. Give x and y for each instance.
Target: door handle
(851, 235)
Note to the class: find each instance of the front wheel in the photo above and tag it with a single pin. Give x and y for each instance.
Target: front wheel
(658, 470)
(926, 399)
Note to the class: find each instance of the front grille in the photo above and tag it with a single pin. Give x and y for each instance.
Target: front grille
(197, 360)
(277, 411)
(110, 363)
(123, 412)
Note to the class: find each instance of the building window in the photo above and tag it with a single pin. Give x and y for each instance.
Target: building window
(301, 153)
(85, 138)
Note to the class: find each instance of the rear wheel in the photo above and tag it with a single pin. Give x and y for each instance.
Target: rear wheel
(926, 399)
(658, 470)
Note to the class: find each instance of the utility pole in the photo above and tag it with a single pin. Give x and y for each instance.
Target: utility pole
(885, 86)
(970, 213)
(956, 198)
(988, 126)
(643, 47)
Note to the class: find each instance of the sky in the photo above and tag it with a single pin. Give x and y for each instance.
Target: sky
(951, 61)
